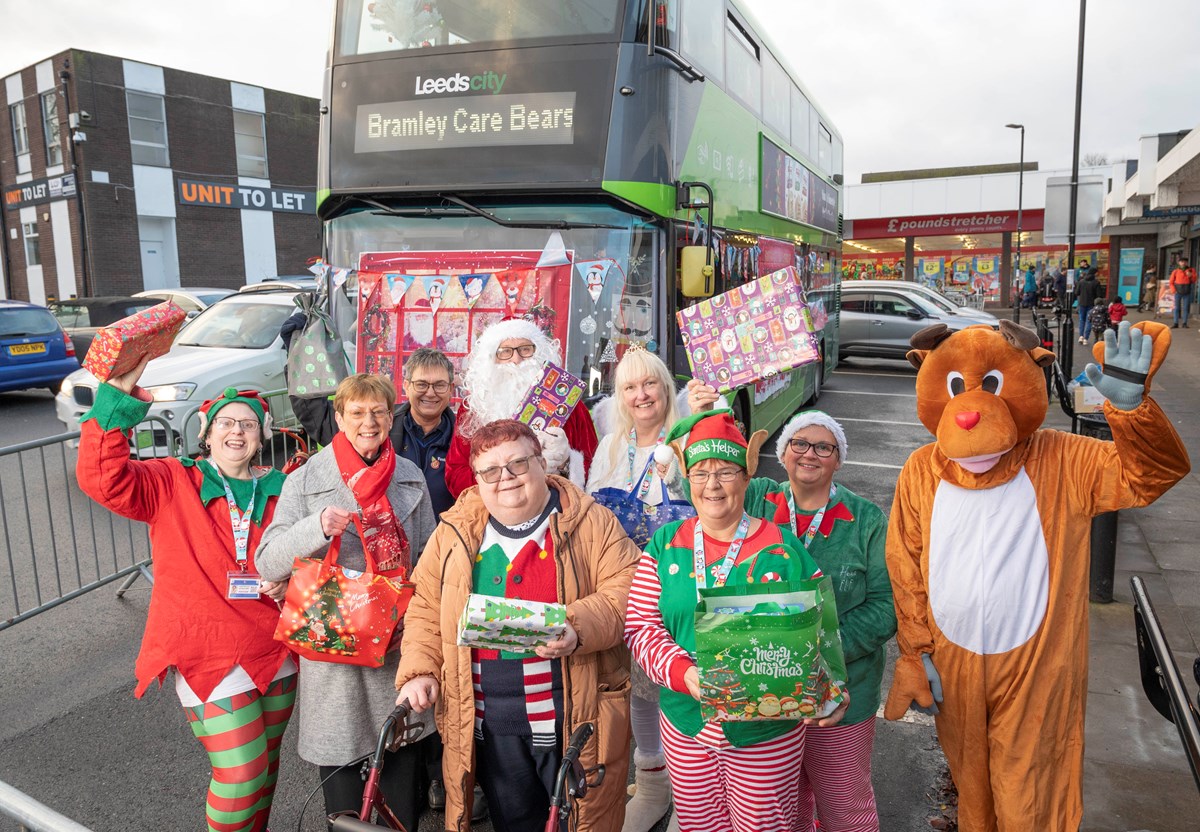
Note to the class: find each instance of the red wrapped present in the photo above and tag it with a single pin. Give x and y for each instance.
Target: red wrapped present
(118, 348)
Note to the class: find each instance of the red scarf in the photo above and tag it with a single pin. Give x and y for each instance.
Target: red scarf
(383, 537)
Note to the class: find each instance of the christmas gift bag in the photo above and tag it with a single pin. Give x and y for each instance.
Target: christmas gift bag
(756, 331)
(334, 614)
(551, 399)
(509, 624)
(769, 651)
(639, 519)
(316, 360)
(118, 348)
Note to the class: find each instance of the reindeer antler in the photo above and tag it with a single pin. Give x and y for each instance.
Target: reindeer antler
(1019, 336)
(930, 336)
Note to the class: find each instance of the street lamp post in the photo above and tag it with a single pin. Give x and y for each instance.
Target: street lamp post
(1020, 195)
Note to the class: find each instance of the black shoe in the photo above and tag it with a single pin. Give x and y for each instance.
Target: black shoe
(1174, 326)
(1185, 326)
(437, 795)
(479, 810)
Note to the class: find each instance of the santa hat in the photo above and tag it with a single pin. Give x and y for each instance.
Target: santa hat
(250, 398)
(714, 435)
(512, 328)
(807, 419)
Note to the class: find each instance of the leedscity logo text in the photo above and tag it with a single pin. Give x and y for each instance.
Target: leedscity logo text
(487, 81)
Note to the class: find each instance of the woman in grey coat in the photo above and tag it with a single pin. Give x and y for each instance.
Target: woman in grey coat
(357, 477)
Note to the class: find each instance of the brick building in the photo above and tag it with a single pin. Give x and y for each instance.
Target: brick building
(119, 176)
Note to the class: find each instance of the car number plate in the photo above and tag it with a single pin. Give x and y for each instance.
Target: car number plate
(27, 349)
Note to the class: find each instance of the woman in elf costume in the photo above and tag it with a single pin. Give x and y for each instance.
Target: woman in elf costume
(211, 618)
(643, 407)
(360, 488)
(726, 776)
(845, 534)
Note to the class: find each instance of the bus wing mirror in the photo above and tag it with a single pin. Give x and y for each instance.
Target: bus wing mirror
(696, 272)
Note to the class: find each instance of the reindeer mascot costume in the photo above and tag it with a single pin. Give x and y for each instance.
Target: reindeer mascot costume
(988, 553)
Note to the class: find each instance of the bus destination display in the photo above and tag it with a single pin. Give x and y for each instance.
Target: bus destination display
(543, 118)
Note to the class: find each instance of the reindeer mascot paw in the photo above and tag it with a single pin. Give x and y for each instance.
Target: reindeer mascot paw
(988, 548)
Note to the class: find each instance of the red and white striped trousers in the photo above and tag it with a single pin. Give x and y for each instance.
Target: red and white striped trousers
(836, 777)
(719, 787)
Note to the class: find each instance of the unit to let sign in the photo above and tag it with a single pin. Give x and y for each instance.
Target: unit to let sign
(39, 190)
(245, 197)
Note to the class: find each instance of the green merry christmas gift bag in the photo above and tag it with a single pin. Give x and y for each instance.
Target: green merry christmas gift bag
(769, 651)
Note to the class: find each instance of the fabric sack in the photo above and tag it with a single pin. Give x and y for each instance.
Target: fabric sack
(339, 615)
(317, 358)
(769, 651)
(639, 519)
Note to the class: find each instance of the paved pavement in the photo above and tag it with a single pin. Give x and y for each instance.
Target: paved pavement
(72, 736)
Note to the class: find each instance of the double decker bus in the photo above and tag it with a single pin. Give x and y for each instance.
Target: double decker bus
(561, 159)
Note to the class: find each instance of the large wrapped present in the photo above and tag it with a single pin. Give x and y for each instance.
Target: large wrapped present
(118, 348)
(756, 331)
(550, 400)
(769, 651)
(510, 624)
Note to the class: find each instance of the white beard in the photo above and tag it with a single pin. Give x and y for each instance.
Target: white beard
(505, 389)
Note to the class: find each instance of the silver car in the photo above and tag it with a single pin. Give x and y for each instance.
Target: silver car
(878, 322)
(933, 296)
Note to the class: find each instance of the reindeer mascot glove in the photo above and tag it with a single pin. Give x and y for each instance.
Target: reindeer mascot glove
(987, 550)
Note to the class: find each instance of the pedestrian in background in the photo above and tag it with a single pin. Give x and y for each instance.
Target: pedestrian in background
(1117, 310)
(1149, 301)
(1183, 283)
(1029, 301)
(211, 619)
(1086, 293)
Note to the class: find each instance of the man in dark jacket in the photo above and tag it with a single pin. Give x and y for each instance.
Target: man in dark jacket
(422, 427)
(1086, 292)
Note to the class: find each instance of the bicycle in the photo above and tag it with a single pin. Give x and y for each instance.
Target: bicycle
(394, 732)
(572, 782)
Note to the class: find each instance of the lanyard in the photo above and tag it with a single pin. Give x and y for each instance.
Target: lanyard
(647, 475)
(811, 532)
(735, 547)
(241, 524)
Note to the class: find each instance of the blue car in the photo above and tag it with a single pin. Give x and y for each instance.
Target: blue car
(34, 350)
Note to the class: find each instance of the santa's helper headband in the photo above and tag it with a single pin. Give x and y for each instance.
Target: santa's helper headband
(805, 420)
(711, 435)
(250, 398)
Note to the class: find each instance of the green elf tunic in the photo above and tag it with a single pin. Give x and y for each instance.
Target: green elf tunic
(849, 548)
(770, 553)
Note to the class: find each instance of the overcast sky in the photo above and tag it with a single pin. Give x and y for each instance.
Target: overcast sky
(923, 83)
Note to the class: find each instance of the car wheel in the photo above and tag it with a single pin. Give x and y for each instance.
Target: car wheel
(819, 383)
(741, 414)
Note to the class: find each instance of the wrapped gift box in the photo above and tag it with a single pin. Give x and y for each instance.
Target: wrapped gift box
(551, 399)
(508, 624)
(756, 331)
(762, 654)
(118, 348)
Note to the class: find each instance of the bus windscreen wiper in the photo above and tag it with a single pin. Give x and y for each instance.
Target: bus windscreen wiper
(466, 209)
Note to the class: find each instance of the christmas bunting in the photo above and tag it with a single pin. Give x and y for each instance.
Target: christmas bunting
(472, 286)
(513, 282)
(593, 274)
(398, 285)
(435, 288)
(555, 252)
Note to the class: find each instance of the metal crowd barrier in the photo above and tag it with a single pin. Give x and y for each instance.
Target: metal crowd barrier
(34, 816)
(1161, 679)
(59, 544)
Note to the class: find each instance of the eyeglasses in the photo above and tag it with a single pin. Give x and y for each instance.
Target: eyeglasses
(426, 386)
(226, 423)
(821, 449)
(378, 414)
(516, 467)
(525, 351)
(722, 476)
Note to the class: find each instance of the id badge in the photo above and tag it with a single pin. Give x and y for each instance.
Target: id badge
(244, 586)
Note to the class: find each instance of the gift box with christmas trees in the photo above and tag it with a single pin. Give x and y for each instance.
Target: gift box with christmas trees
(509, 624)
(769, 651)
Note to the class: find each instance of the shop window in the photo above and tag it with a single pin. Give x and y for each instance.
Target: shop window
(20, 130)
(777, 95)
(250, 136)
(147, 128)
(743, 72)
(800, 122)
(33, 257)
(702, 38)
(50, 128)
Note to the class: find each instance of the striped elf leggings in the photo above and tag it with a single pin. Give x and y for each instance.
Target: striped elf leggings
(836, 778)
(242, 734)
(719, 787)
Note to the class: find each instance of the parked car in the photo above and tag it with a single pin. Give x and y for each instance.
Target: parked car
(233, 343)
(192, 300)
(34, 349)
(878, 322)
(82, 317)
(296, 282)
(932, 295)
